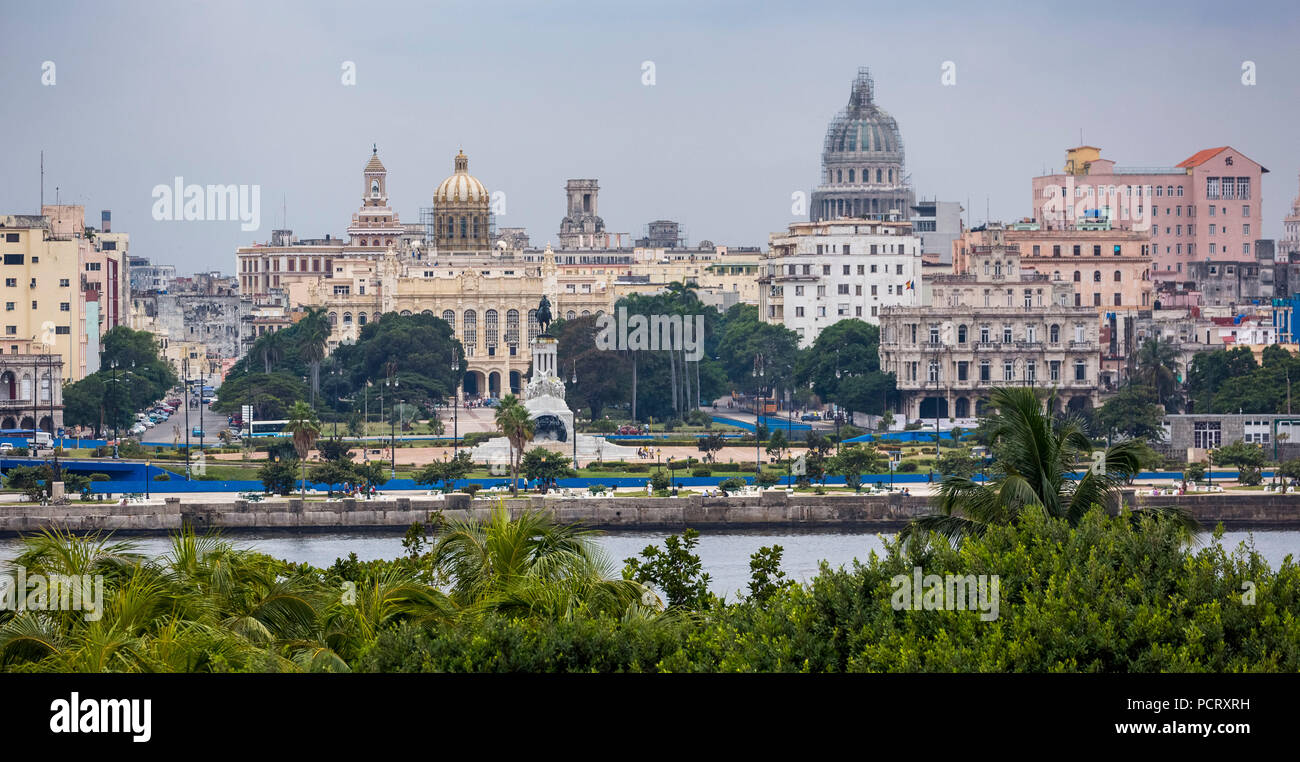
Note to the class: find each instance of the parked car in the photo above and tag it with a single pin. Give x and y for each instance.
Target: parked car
(6, 447)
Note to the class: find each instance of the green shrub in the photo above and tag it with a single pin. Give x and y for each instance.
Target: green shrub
(164, 477)
(701, 472)
(471, 489)
(731, 485)
(907, 466)
(637, 468)
(98, 477)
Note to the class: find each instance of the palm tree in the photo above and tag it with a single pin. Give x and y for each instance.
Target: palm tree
(1156, 367)
(314, 330)
(529, 565)
(272, 349)
(304, 426)
(517, 427)
(1038, 458)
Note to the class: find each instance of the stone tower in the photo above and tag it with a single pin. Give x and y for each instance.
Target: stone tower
(582, 227)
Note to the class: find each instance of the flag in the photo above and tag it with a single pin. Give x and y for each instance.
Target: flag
(910, 286)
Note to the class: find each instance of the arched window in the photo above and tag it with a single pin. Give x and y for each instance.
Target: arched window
(406, 313)
(334, 319)
(1096, 276)
(1054, 333)
(347, 318)
(464, 227)
(961, 334)
(470, 339)
(1118, 277)
(374, 188)
(1076, 276)
(361, 318)
(569, 315)
(490, 329)
(450, 318)
(533, 328)
(512, 328)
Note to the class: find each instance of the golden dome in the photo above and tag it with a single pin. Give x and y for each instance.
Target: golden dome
(461, 187)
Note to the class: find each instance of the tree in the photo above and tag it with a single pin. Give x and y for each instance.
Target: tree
(529, 566)
(843, 366)
(1289, 470)
(333, 448)
(765, 575)
(332, 472)
(1036, 458)
(314, 332)
(1239, 454)
(777, 444)
(675, 570)
(277, 476)
(517, 427)
(1156, 368)
(304, 427)
(546, 466)
(1135, 412)
(854, 461)
(957, 462)
(710, 444)
(446, 472)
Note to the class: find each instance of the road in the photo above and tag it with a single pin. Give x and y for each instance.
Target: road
(173, 429)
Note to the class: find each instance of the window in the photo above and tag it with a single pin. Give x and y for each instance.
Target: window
(984, 371)
(1256, 431)
(1008, 371)
(934, 334)
(1006, 334)
(90, 266)
(13, 259)
(1054, 334)
(984, 334)
(1080, 370)
(63, 282)
(1206, 434)
(65, 307)
(1054, 368)
(963, 371)
(961, 334)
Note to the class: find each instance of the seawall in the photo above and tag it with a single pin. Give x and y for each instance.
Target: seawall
(770, 509)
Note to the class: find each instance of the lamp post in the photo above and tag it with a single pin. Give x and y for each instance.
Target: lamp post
(365, 423)
(392, 383)
(455, 408)
(672, 477)
(573, 381)
(185, 370)
(146, 480)
(760, 370)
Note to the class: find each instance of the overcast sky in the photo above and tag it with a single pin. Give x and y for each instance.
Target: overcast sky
(535, 93)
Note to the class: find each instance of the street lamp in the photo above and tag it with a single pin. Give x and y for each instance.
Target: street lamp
(392, 383)
(185, 370)
(455, 408)
(760, 370)
(573, 381)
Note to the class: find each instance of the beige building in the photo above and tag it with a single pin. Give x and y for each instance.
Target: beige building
(994, 325)
(454, 267)
(41, 297)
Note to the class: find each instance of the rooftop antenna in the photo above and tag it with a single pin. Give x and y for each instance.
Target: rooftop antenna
(42, 209)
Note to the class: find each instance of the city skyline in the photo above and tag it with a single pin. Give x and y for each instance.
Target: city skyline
(720, 141)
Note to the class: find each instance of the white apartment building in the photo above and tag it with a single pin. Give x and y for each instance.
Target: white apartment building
(819, 273)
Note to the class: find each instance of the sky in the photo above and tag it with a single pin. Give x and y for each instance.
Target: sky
(535, 93)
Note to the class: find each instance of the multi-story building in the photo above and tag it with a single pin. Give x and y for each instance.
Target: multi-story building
(818, 273)
(146, 276)
(994, 325)
(1207, 205)
(937, 224)
(863, 173)
(1288, 249)
(20, 408)
(1109, 270)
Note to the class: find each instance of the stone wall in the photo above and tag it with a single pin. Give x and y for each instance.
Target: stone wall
(771, 509)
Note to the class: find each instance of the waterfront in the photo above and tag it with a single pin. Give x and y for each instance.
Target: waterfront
(725, 554)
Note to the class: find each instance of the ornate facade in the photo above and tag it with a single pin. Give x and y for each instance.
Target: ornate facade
(995, 325)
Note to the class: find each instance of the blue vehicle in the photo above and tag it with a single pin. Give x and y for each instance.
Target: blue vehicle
(197, 432)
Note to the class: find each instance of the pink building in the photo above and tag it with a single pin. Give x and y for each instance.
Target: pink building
(1205, 207)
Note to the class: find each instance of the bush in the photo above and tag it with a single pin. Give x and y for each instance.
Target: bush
(476, 438)
(596, 488)
(164, 477)
(701, 472)
(660, 481)
(637, 468)
(98, 477)
(907, 466)
(731, 485)
(471, 489)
